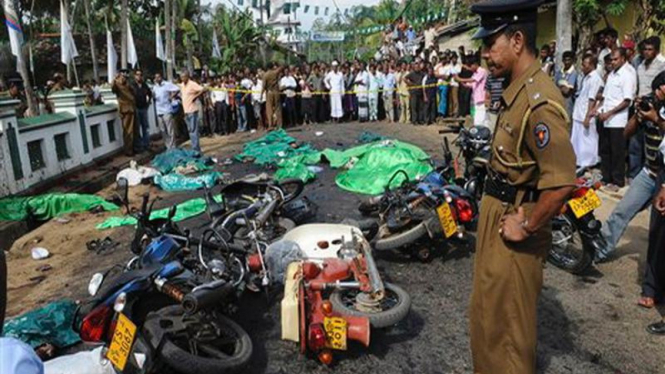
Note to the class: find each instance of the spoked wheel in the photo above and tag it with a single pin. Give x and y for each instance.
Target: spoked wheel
(198, 343)
(386, 312)
(568, 249)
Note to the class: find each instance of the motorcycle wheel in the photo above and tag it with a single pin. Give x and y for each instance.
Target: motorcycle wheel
(292, 188)
(198, 344)
(569, 250)
(392, 309)
(399, 240)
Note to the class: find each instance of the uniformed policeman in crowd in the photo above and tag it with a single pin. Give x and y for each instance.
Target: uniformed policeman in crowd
(273, 100)
(531, 173)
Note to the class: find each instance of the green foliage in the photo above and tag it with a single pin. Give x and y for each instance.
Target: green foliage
(239, 39)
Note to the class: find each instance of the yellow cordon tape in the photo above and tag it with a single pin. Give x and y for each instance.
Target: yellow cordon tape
(409, 88)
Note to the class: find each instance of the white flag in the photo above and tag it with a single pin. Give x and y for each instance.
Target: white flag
(132, 57)
(68, 49)
(159, 44)
(112, 57)
(14, 29)
(216, 52)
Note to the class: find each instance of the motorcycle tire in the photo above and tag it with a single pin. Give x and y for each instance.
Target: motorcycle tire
(401, 239)
(292, 188)
(369, 227)
(341, 302)
(368, 208)
(562, 256)
(182, 361)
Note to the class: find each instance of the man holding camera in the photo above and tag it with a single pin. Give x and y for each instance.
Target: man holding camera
(649, 116)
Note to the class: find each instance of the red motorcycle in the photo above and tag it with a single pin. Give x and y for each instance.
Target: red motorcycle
(334, 293)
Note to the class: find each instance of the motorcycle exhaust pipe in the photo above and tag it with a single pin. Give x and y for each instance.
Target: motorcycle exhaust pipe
(358, 329)
(205, 295)
(375, 282)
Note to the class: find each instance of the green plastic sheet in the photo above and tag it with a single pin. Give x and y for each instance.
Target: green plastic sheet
(178, 182)
(371, 166)
(170, 160)
(47, 206)
(49, 324)
(294, 167)
(368, 137)
(188, 209)
(275, 146)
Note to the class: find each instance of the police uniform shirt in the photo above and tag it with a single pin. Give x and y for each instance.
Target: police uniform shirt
(544, 158)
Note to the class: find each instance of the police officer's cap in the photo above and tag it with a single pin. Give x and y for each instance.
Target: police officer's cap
(496, 15)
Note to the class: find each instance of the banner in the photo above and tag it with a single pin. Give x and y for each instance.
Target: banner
(112, 57)
(159, 45)
(132, 57)
(327, 36)
(15, 31)
(216, 52)
(68, 49)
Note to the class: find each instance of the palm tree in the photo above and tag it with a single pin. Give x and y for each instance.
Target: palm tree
(240, 39)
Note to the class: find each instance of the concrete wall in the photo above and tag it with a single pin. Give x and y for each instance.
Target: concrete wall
(90, 133)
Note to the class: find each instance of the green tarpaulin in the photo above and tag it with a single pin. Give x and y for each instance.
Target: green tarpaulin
(171, 159)
(188, 209)
(50, 324)
(370, 166)
(178, 182)
(44, 207)
(368, 137)
(280, 149)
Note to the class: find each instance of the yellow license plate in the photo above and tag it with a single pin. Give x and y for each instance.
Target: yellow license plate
(447, 220)
(121, 345)
(585, 204)
(335, 332)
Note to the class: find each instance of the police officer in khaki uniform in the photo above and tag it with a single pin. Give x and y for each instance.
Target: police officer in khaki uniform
(273, 102)
(531, 173)
(127, 109)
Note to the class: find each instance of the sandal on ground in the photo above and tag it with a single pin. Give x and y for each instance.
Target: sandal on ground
(657, 328)
(646, 302)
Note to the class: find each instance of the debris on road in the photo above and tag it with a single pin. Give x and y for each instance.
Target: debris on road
(51, 324)
(40, 253)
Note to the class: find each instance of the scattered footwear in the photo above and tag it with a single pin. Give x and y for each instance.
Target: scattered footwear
(646, 302)
(657, 328)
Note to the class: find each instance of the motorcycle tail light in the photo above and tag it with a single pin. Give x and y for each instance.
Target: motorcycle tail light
(326, 357)
(95, 323)
(317, 337)
(579, 192)
(464, 211)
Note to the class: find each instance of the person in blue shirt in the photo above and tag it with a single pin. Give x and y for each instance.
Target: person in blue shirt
(410, 34)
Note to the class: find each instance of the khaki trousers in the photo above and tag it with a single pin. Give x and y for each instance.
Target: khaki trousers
(404, 109)
(507, 279)
(453, 101)
(274, 110)
(128, 131)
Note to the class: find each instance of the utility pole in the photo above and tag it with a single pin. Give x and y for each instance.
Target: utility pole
(123, 37)
(564, 29)
(167, 34)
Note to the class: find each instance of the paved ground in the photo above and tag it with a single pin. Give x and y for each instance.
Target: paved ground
(587, 324)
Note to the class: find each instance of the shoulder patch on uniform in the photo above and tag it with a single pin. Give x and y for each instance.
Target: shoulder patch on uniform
(542, 135)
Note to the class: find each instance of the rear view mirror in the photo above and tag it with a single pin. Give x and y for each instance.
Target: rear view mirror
(95, 283)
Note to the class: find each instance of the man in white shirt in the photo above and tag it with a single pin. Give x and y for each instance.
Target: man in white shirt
(389, 85)
(162, 93)
(288, 86)
(618, 94)
(584, 135)
(609, 39)
(220, 100)
(374, 87)
(334, 82)
(442, 73)
(258, 99)
(455, 69)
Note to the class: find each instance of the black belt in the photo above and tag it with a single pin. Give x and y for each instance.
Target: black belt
(497, 187)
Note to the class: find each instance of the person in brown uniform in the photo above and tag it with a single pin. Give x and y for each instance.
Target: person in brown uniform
(126, 106)
(273, 103)
(531, 173)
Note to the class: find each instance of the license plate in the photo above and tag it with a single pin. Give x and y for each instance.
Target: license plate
(121, 345)
(335, 332)
(585, 204)
(447, 220)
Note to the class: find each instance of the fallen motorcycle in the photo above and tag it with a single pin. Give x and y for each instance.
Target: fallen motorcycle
(419, 212)
(576, 233)
(474, 150)
(333, 290)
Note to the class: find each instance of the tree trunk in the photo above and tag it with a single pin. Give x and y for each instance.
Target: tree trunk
(123, 35)
(190, 57)
(167, 38)
(644, 12)
(93, 48)
(564, 29)
(198, 27)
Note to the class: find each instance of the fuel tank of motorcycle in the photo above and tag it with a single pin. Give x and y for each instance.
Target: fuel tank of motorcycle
(160, 250)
